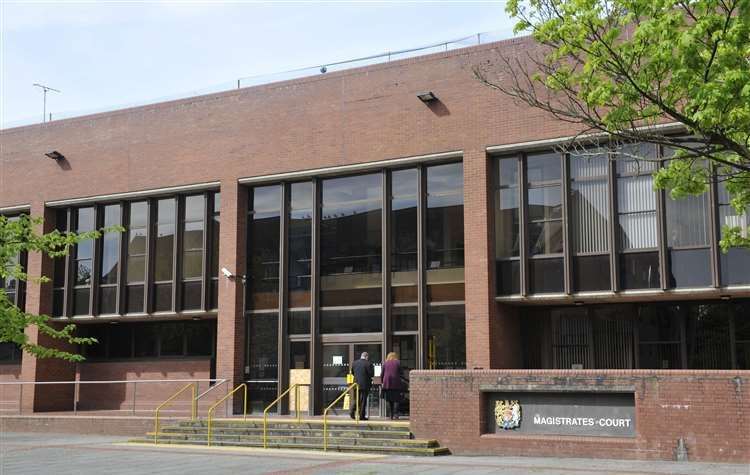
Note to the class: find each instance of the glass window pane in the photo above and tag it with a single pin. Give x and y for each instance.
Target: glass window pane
(192, 264)
(446, 337)
(444, 179)
(351, 240)
(404, 319)
(734, 267)
(200, 338)
(364, 320)
(120, 341)
(546, 275)
(138, 214)
(508, 277)
(83, 272)
(146, 338)
(81, 302)
(507, 223)
(164, 252)
(589, 202)
(299, 322)
(543, 167)
(85, 249)
(193, 237)
(85, 220)
(636, 159)
(639, 270)
(191, 295)
(136, 269)
(263, 248)
(108, 300)
(546, 237)
(687, 221)
(300, 244)
(166, 211)
(162, 297)
(137, 241)
(690, 268)
(171, 339)
(591, 273)
(545, 203)
(507, 171)
(194, 208)
(445, 217)
(707, 337)
(638, 231)
(263, 348)
(110, 258)
(404, 184)
(135, 299)
(299, 355)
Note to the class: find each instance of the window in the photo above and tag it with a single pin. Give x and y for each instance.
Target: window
(15, 289)
(59, 273)
(404, 199)
(444, 233)
(110, 262)
(300, 244)
(192, 252)
(446, 337)
(589, 212)
(350, 240)
(735, 263)
(545, 224)
(164, 249)
(263, 242)
(136, 260)
(636, 207)
(214, 246)
(507, 227)
(83, 263)
(149, 340)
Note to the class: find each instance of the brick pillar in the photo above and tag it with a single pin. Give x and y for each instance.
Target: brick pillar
(39, 301)
(491, 330)
(230, 335)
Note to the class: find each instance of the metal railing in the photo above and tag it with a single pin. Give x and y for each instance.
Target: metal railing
(212, 408)
(131, 398)
(194, 402)
(354, 386)
(273, 403)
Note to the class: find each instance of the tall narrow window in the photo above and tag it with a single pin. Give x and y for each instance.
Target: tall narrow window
(507, 227)
(636, 207)
(589, 205)
(300, 254)
(350, 249)
(192, 252)
(110, 262)
(215, 236)
(58, 278)
(136, 252)
(444, 233)
(83, 263)
(404, 244)
(736, 262)
(164, 254)
(263, 243)
(688, 241)
(545, 225)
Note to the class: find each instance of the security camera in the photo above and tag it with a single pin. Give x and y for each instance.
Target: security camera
(227, 273)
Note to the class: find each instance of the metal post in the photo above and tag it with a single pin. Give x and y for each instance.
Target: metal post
(135, 388)
(20, 400)
(76, 395)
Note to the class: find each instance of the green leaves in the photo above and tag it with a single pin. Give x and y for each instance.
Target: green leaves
(17, 236)
(619, 65)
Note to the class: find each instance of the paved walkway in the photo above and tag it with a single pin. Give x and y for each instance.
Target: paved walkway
(61, 454)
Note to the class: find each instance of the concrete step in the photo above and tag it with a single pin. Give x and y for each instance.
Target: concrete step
(336, 431)
(304, 424)
(296, 440)
(337, 447)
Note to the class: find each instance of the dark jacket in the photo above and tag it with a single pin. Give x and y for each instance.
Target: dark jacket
(363, 372)
(392, 375)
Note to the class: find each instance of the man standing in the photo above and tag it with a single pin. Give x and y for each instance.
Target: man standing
(363, 372)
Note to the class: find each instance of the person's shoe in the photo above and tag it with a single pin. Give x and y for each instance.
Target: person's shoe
(364, 419)
(351, 415)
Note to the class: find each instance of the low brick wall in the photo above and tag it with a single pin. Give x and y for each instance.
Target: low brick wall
(125, 426)
(710, 410)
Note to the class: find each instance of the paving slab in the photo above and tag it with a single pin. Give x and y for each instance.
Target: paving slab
(63, 454)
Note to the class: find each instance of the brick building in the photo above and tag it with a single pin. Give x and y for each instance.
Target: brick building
(362, 218)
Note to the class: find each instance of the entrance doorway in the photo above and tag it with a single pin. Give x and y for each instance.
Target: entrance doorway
(337, 362)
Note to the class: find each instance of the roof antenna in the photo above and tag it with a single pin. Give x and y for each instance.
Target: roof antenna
(45, 89)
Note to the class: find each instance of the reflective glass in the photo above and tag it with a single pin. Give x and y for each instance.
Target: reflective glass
(263, 247)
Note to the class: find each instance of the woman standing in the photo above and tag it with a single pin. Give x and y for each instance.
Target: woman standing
(392, 386)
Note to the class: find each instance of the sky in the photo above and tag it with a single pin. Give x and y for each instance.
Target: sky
(110, 54)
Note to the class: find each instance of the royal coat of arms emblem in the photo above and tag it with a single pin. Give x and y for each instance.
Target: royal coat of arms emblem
(507, 414)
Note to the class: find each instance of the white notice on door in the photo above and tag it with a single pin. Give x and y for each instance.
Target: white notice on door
(338, 360)
(378, 370)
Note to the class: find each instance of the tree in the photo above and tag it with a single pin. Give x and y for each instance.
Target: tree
(623, 69)
(17, 236)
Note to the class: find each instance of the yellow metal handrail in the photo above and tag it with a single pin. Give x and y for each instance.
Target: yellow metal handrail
(211, 409)
(354, 386)
(275, 401)
(171, 398)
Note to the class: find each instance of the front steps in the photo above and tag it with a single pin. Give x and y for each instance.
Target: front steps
(343, 436)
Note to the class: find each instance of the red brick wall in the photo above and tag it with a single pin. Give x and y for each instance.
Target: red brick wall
(709, 409)
(10, 393)
(119, 397)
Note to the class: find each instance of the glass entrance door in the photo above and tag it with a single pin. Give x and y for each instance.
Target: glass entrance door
(337, 361)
